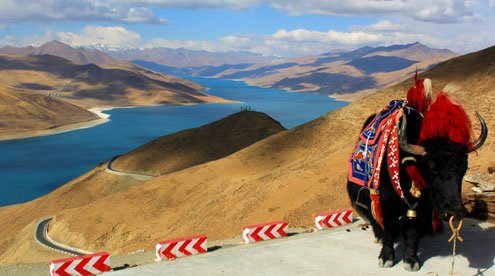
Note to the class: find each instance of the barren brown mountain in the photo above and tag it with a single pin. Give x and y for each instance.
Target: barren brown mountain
(79, 56)
(47, 91)
(290, 175)
(24, 111)
(180, 58)
(344, 75)
(187, 148)
(83, 56)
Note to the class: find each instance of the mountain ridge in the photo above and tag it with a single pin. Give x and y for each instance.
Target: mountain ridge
(50, 92)
(374, 68)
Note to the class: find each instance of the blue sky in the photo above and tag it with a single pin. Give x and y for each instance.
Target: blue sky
(286, 28)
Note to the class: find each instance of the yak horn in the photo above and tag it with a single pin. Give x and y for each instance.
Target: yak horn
(484, 133)
(404, 145)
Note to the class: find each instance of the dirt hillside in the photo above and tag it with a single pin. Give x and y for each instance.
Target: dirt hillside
(22, 111)
(290, 175)
(43, 92)
(195, 146)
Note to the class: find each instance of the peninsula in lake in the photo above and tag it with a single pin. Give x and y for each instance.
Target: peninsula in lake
(55, 87)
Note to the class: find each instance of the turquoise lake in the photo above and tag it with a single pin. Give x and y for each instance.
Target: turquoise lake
(33, 167)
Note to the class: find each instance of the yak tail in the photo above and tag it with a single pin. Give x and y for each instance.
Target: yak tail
(376, 210)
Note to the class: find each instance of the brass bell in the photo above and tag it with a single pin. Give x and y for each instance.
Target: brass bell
(411, 213)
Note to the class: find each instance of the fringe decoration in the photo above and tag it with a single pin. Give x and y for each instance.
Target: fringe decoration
(376, 209)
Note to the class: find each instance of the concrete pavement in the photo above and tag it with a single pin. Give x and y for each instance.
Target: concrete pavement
(343, 251)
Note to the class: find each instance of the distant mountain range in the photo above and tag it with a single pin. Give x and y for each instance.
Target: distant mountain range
(56, 48)
(50, 86)
(351, 74)
(346, 75)
(184, 58)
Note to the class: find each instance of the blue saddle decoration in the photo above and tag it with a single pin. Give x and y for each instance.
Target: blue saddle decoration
(363, 159)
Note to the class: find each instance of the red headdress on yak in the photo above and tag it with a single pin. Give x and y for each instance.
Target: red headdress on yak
(419, 96)
(446, 119)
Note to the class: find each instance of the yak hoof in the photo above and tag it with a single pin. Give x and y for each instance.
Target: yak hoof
(385, 263)
(413, 267)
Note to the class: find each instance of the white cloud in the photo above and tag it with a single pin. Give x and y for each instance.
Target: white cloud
(7, 40)
(290, 43)
(140, 11)
(108, 37)
(330, 37)
(238, 42)
(213, 46)
(195, 4)
(37, 39)
(382, 26)
(440, 11)
(74, 10)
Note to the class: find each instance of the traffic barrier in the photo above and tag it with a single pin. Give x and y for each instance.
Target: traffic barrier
(172, 249)
(333, 219)
(264, 231)
(91, 264)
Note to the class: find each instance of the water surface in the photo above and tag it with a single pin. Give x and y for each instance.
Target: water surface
(32, 167)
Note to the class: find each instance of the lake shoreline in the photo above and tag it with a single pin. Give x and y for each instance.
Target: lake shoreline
(98, 111)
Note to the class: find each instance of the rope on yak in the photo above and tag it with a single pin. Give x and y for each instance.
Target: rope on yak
(455, 236)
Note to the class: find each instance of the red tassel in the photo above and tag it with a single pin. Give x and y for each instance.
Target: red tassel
(415, 176)
(446, 119)
(376, 210)
(416, 97)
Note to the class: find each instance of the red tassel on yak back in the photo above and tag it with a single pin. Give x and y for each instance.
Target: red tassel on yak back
(446, 119)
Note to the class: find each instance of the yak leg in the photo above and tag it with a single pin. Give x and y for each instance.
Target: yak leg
(387, 254)
(411, 238)
(359, 194)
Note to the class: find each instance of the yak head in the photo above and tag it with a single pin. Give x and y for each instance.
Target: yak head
(442, 153)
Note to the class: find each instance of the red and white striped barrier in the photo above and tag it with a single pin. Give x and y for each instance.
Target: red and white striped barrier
(264, 231)
(172, 249)
(81, 265)
(333, 219)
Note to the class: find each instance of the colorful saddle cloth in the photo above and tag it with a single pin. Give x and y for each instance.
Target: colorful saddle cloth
(378, 138)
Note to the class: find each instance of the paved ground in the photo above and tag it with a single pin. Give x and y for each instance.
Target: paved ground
(335, 252)
(137, 176)
(41, 236)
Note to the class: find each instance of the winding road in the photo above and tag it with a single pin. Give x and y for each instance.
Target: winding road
(41, 236)
(137, 176)
(41, 232)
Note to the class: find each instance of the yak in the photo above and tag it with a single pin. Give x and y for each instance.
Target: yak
(434, 140)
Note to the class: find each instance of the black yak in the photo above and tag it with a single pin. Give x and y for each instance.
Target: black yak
(406, 194)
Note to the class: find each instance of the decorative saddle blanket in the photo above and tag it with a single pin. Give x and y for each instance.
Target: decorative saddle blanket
(379, 137)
